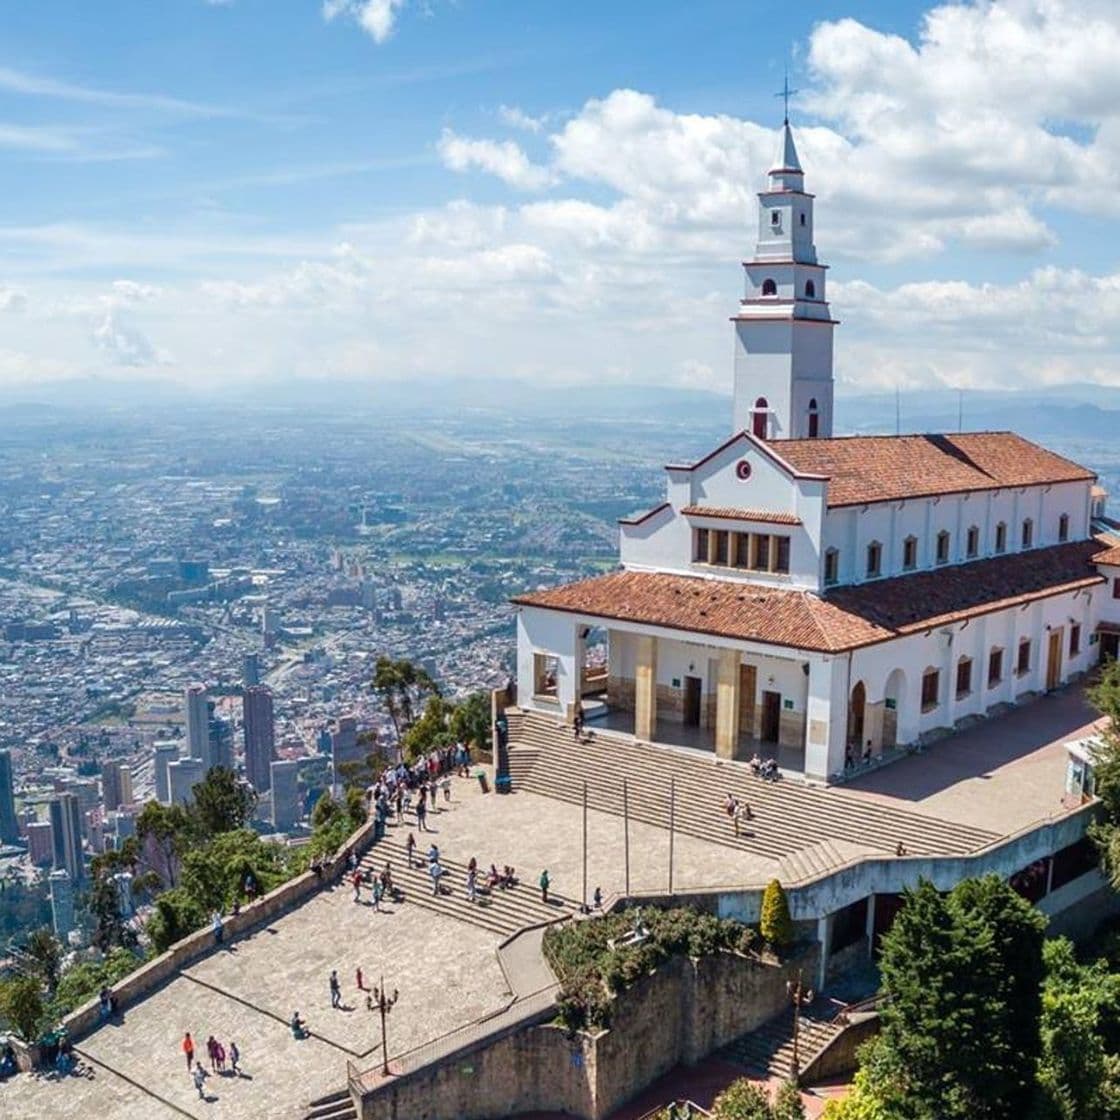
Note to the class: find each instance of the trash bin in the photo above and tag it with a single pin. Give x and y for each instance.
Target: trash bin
(481, 776)
(503, 783)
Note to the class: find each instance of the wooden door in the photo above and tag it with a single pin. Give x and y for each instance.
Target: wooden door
(771, 716)
(692, 701)
(1054, 660)
(748, 685)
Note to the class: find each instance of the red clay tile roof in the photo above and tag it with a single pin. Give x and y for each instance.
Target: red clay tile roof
(1111, 554)
(865, 469)
(728, 514)
(847, 618)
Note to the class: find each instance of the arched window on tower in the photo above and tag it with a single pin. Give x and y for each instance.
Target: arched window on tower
(814, 419)
(761, 410)
(810, 290)
(769, 287)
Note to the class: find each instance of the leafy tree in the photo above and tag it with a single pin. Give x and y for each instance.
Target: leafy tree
(944, 1032)
(402, 687)
(110, 927)
(21, 1006)
(775, 924)
(865, 1100)
(176, 914)
(430, 731)
(742, 1100)
(788, 1104)
(169, 831)
(82, 982)
(44, 957)
(1017, 931)
(221, 802)
(470, 721)
(1105, 696)
(1079, 1071)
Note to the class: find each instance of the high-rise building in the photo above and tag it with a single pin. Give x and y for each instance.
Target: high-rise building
(197, 713)
(219, 742)
(164, 752)
(260, 737)
(66, 835)
(40, 843)
(116, 785)
(285, 794)
(182, 776)
(345, 747)
(62, 903)
(9, 826)
(251, 670)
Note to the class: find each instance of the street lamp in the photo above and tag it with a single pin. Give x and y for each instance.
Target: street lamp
(384, 1003)
(800, 997)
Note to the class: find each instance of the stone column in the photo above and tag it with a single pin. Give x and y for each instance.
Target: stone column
(826, 722)
(727, 704)
(824, 936)
(645, 688)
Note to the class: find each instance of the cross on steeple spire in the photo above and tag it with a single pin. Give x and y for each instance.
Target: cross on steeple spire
(785, 93)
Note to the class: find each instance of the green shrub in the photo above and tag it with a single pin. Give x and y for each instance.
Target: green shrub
(775, 925)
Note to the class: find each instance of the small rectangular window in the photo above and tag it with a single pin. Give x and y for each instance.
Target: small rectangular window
(546, 672)
(964, 677)
(1063, 527)
(781, 561)
(995, 667)
(832, 568)
(930, 686)
(1074, 640)
(874, 559)
(973, 542)
(1116, 588)
(1024, 664)
(910, 553)
(719, 546)
(1028, 533)
(761, 552)
(943, 548)
(742, 550)
(1001, 537)
(700, 549)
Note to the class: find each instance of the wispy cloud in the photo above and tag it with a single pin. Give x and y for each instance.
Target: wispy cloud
(313, 172)
(37, 85)
(376, 18)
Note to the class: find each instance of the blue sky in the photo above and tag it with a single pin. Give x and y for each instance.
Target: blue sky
(373, 188)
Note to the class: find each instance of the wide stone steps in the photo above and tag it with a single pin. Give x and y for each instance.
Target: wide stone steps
(768, 1051)
(521, 763)
(334, 1106)
(817, 859)
(788, 815)
(503, 912)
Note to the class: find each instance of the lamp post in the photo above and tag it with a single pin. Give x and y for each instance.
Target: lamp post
(799, 997)
(384, 1003)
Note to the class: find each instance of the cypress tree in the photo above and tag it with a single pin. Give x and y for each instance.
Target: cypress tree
(775, 924)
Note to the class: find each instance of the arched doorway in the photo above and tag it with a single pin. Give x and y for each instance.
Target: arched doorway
(892, 699)
(857, 706)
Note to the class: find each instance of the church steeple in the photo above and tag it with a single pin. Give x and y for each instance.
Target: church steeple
(783, 331)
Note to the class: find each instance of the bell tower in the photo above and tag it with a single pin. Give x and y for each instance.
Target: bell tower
(783, 329)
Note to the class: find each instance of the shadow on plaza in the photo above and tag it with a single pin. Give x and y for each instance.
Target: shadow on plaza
(983, 748)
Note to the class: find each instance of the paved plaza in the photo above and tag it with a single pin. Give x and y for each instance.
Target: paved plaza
(1001, 775)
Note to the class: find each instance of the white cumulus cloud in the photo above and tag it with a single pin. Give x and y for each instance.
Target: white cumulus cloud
(502, 158)
(376, 18)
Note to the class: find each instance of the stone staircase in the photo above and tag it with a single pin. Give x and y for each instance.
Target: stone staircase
(334, 1106)
(789, 816)
(503, 912)
(768, 1051)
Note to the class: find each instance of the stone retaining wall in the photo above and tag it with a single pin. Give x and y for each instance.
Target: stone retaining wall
(679, 1014)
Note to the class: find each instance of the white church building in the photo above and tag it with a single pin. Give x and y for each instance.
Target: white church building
(823, 599)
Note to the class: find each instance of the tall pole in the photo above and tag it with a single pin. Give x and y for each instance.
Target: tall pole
(626, 835)
(585, 846)
(672, 815)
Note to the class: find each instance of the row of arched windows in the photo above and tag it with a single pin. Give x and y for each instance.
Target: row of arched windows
(770, 288)
(942, 547)
(761, 411)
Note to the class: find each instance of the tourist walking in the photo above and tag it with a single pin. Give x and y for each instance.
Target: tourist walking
(598, 898)
(421, 813)
(447, 790)
(359, 980)
(357, 886)
(188, 1049)
(219, 1056)
(410, 847)
(234, 1057)
(435, 871)
(377, 891)
(544, 882)
(218, 927)
(212, 1051)
(472, 885)
(336, 990)
(577, 721)
(200, 1076)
